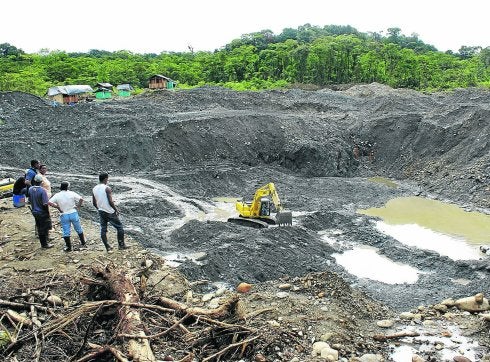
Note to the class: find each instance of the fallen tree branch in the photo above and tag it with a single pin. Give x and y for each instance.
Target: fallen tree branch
(33, 313)
(224, 310)
(89, 330)
(25, 305)
(257, 312)
(233, 345)
(173, 326)
(226, 325)
(188, 358)
(18, 318)
(101, 350)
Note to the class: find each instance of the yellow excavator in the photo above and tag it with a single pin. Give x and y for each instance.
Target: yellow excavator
(259, 212)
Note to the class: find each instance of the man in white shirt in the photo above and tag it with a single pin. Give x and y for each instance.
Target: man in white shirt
(67, 203)
(108, 212)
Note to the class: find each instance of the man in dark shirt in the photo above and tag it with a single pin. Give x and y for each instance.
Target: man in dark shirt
(38, 198)
(32, 171)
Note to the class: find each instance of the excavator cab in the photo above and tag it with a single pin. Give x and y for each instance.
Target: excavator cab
(258, 212)
(265, 207)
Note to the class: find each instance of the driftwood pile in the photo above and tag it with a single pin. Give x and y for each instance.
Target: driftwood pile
(116, 320)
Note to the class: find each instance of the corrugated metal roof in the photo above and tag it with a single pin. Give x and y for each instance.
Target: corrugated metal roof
(161, 76)
(126, 87)
(105, 85)
(69, 89)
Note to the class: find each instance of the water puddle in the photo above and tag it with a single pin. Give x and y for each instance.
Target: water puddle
(434, 225)
(454, 345)
(422, 238)
(365, 262)
(383, 181)
(175, 259)
(328, 236)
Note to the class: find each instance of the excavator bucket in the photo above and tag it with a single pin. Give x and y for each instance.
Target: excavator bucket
(284, 218)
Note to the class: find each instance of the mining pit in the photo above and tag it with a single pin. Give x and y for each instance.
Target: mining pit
(178, 161)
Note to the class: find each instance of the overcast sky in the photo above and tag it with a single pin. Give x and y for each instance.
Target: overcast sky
(153, 26)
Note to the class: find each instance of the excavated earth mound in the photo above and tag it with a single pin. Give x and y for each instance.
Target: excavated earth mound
(172, 154)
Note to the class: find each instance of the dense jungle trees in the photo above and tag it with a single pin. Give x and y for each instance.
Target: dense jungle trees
(315, 55)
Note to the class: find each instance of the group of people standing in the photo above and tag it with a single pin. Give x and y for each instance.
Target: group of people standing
(37, 188)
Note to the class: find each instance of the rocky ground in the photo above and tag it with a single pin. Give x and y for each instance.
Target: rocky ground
(172, 154)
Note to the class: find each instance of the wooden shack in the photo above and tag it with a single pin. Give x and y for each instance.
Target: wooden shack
(69, 94)
(159, 81)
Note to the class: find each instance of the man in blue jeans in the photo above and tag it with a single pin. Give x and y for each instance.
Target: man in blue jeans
(67, 202)
(108, 212)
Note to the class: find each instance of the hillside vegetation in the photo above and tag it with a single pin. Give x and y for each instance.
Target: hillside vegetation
(308, 55)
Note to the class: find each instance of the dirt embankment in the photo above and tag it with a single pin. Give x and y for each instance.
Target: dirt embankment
(440, 140)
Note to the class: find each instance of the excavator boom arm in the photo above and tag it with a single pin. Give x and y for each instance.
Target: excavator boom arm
(268, 190)
(253, 209)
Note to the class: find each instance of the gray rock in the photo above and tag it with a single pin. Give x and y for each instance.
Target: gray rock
(440, 308)
(385, 323)
(407, 315)
(473, 304)
(318, 347)
(461, 359)
(330, 354)
(369, 357)
(282, 295)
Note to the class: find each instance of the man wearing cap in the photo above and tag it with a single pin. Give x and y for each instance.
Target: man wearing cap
(108, 212)
(67, 202)
(38, 198)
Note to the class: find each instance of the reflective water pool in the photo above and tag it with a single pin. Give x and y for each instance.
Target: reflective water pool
(434, 225)
(365, 262)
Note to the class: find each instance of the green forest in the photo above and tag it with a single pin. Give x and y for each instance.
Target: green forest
(309, 56)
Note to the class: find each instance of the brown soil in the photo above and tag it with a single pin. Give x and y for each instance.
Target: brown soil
(287, 315)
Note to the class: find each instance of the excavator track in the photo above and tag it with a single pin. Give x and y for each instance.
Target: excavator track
(255, 223)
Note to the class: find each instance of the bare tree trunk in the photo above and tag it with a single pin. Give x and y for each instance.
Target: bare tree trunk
(123, 288)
